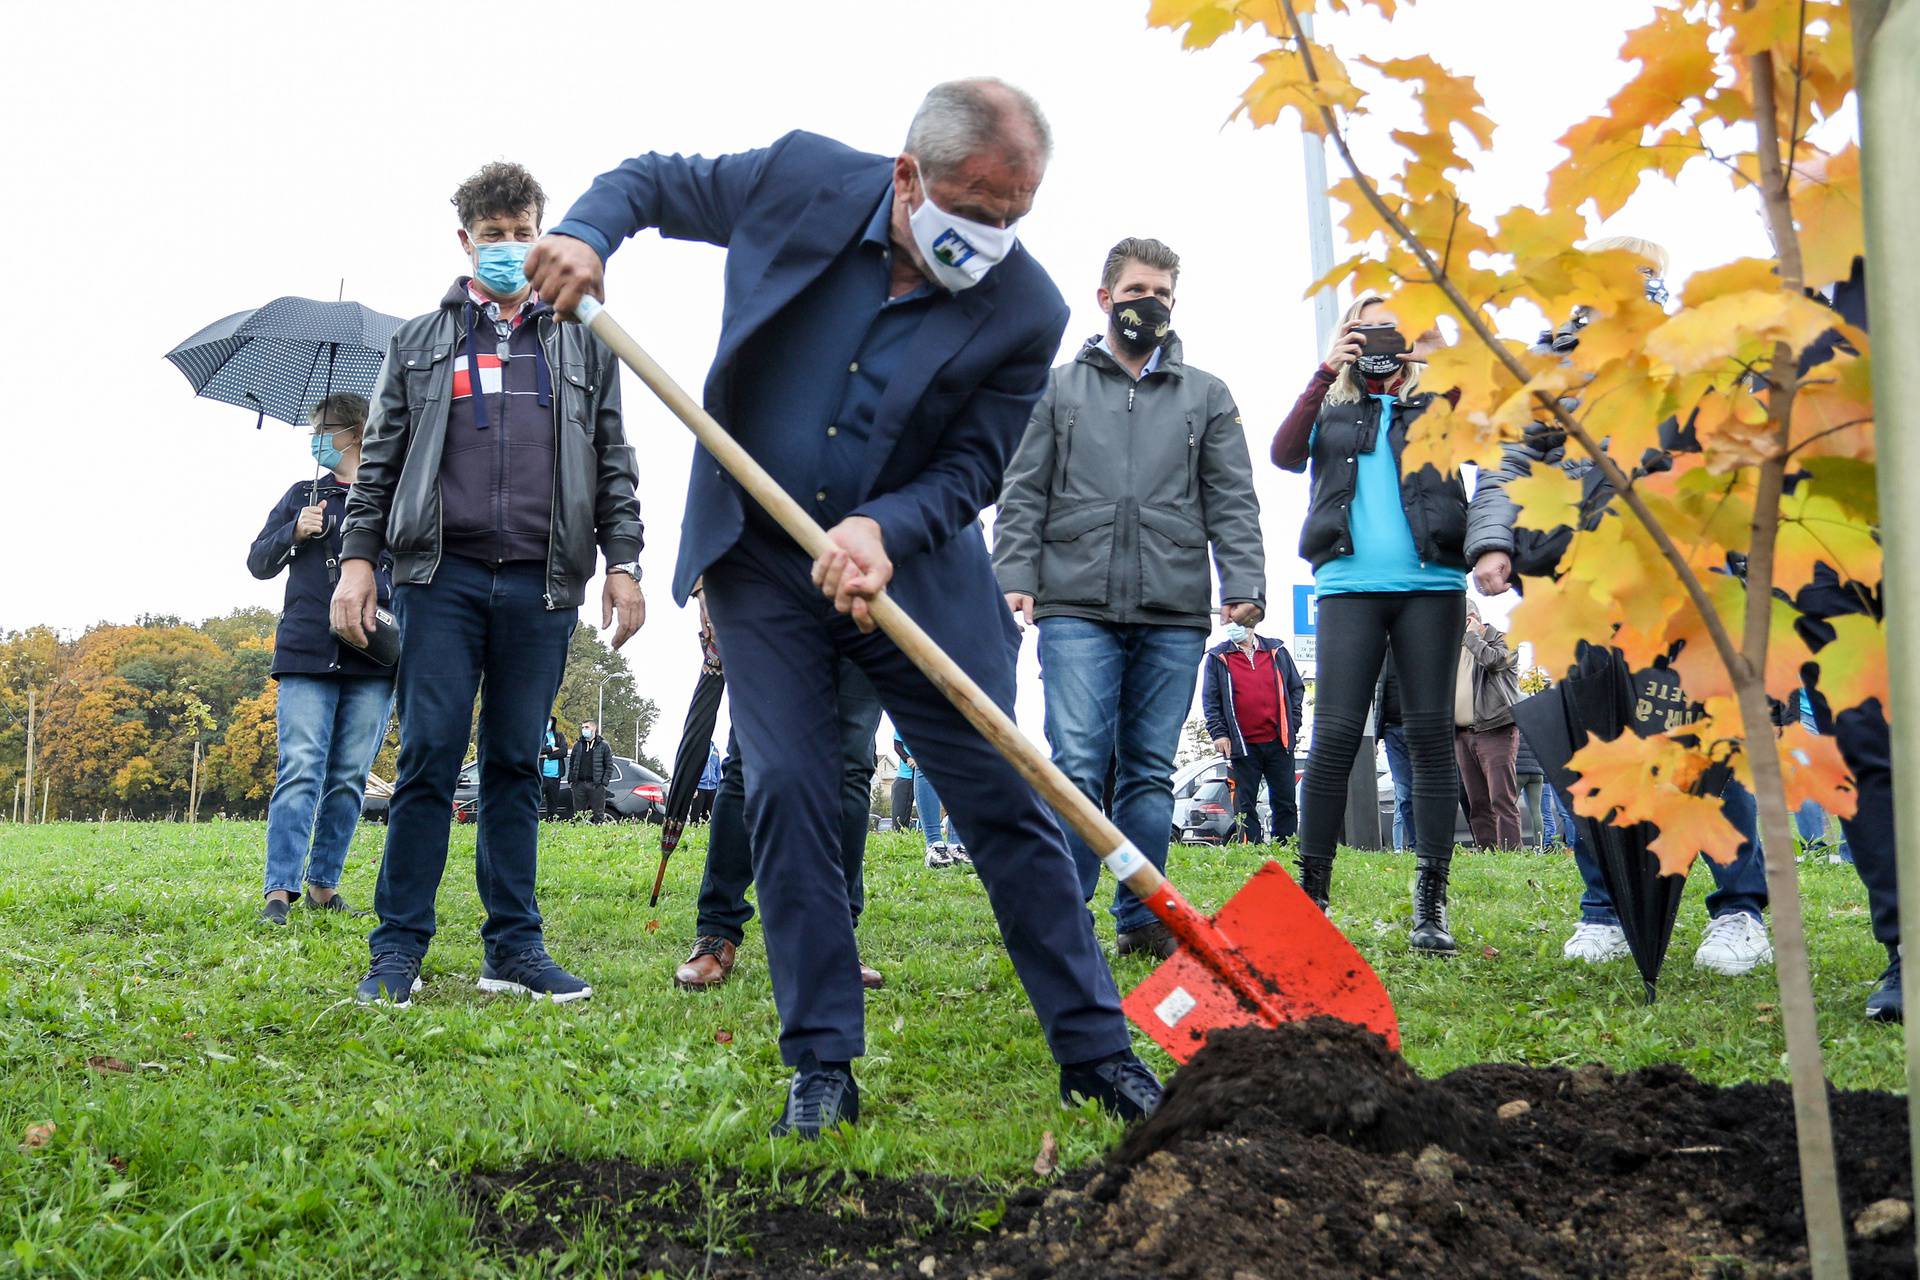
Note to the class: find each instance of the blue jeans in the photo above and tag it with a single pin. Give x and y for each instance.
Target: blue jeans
(1122, 690)
(928, 803)
(1395, 739)
(330, 729)
(473, 625)
(1740, 885)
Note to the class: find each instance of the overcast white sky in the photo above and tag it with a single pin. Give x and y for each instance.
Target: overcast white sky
(186, 160)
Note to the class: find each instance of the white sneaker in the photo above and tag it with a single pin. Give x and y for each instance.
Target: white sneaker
(937, 857)
(1596, 943)
(1734, 944)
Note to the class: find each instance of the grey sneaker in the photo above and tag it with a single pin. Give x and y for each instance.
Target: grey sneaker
(532, 973)
(958, 856)
(336, 903)
(937, 856)
(274, 911)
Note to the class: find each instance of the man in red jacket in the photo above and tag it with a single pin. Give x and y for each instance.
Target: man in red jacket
(1251, 696)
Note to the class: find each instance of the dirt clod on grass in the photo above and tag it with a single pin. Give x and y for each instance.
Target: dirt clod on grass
(1307, 1153)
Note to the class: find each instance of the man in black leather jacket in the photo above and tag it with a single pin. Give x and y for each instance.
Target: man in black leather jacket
(495, 464)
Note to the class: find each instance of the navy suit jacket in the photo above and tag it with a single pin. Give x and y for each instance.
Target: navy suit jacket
(953, 414)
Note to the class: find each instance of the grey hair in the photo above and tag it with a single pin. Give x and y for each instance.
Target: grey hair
(962, 118)
(341, 409)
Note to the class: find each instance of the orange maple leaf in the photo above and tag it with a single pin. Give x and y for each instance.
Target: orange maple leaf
(1689, 827)
(1812, 768)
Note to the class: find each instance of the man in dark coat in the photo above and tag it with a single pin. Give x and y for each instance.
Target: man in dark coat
(590, 771)
(883, 340)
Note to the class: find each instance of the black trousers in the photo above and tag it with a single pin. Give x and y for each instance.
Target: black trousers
(590, 798)
(902, 803)
(702, 805)
(550, 796)
(1866, 746)
(1272, 763)
(1425, 628)
(724, 911)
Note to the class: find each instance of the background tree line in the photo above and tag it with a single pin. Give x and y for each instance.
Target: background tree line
(120, 708)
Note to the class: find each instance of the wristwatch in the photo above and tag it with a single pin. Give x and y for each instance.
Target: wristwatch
(631, 568)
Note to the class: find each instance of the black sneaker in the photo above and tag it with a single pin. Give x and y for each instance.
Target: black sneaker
(335, 903)
(818, 1099)
(1154, 939)
(1123, 1086)
(532, 973)
(1887, 1004)
(392, 979)
(274, 911)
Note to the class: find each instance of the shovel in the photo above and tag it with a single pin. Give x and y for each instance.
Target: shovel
(1270, 956)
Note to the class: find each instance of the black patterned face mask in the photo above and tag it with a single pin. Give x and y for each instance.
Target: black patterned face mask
(1378, 368)
(1141, 324)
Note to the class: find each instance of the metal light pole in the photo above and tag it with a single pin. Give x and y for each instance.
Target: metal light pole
(1362, 827)
(600, 707)
(1886, 41)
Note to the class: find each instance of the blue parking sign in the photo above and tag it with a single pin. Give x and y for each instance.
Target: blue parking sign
(1306, 611)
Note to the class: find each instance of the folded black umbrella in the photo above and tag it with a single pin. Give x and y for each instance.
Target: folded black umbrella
(1599, 699)
(689, 762)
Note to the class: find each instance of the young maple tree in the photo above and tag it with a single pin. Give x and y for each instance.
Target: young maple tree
(1778, 476)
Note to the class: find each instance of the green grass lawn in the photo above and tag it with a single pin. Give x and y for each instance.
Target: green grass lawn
(267, 1125)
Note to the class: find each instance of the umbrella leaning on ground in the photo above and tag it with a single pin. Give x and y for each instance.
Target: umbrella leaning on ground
(689, 762)
(282, 359)
(1598, 699)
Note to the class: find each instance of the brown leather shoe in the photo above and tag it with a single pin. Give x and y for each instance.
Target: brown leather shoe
(872, 979)
(708, 967)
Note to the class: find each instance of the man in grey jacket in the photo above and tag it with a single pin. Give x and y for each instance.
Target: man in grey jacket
(1133, 463)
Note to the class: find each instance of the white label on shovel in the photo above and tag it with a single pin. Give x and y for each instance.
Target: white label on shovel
(1176, 1006)
(1125, 861)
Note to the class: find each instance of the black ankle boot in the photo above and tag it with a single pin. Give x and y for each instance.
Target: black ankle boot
(1316, 879)
(1430, 911)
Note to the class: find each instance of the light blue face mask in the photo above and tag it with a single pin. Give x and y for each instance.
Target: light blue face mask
(323, 450)
(1236, 632)
(499, 266)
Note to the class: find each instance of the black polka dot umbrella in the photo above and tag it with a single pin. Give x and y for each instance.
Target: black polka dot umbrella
(283, 358)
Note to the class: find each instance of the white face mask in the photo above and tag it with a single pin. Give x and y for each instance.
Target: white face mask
(957, 250)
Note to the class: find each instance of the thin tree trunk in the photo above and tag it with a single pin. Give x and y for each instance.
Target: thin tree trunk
(46, 788)
(30, 753)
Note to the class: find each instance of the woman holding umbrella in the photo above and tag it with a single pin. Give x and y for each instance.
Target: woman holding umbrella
(333, 701)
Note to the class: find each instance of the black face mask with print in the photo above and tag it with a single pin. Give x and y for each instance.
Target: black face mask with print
(1140, 324)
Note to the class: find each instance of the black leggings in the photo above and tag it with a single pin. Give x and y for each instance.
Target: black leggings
(1353, 631)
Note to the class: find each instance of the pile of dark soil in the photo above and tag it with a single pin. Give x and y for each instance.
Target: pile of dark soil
(1297, 1154)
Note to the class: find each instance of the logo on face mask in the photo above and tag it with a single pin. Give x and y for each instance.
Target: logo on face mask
(951, 248)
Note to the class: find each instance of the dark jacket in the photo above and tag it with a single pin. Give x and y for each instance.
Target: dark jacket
(1216, 692)
(304, 645)
(1496, 678)
(1331, 437)
(396, 499)
(1117, 490)
(1490, 518)
(591, 761)
(954, 411)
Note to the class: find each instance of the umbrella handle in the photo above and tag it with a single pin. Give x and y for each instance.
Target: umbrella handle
(1122, 857)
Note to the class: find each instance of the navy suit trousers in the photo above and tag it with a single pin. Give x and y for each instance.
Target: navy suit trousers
(782, 640)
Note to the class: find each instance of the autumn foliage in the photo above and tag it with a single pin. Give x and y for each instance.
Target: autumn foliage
(1781, 478)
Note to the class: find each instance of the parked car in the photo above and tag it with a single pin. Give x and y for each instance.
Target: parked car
(636, 793)
(1192, 789)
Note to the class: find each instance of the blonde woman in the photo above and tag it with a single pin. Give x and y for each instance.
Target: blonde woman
(1389, 566)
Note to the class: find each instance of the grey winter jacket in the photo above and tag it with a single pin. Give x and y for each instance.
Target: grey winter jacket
(1491, 515)
(1117, 489)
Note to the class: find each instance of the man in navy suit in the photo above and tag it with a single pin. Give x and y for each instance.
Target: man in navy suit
(883, 342)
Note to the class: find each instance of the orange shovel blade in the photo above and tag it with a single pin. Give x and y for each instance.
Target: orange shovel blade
(1305, 964)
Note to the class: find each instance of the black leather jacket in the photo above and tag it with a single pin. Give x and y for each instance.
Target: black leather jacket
(395, 505)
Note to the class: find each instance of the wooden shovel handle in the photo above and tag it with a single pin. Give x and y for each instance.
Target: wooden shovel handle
(1080, 813)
